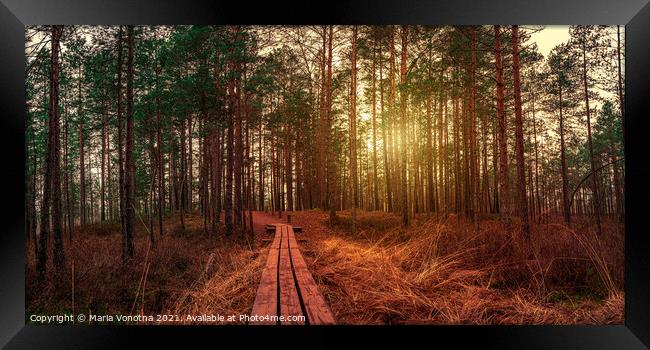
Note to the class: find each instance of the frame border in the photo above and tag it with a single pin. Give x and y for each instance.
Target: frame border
(635, 14)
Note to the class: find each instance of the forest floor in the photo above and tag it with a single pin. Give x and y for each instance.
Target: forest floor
(440, 270)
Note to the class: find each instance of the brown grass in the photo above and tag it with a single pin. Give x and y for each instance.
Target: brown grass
(441, 271)
(231, 289)
(438, 271)
(151, 283)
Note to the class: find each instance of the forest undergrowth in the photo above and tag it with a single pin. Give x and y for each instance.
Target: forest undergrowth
(443, 271)
(153, 281)
(440, 270)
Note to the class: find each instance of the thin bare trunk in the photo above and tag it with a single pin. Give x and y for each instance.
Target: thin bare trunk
(522, 204)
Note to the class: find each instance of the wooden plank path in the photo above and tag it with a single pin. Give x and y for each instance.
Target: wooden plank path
(287, 288)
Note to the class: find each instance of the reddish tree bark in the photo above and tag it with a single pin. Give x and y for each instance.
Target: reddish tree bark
(51, 199)
(592, 161)
(159, 159)
(375, 182)
(404, 125)
(354, 183)
(129, 201)
(504, 197)
(522, 204)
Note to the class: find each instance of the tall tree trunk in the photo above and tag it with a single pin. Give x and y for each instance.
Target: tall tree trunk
(35, 188)
(91, 203)
(457, 170)
(299, 164)
(331, 162)
(504, 191)
(204, 161)
(386, 137)
(321, 169)
(522, 204)
(218, 172)
(29, 192)
(440, 182)
(120, 145)
(57, 225)
(51, 185)
(288, 167)
(82, 163)
(473, 154)
(592, 161)
(232, 102)
(393, 129)
(404, 125)
(565, 181)
(485, 187)
(109, 178)
(618, 193)
(190, 173)
(463, 141)
(159, 158)
(129, 157)
(68, 202)
(494, 205)
(261, 169)
(621, 97)
(173, 182)
(354, 183)
(183, 175)
(375, 184)
(442, 197)
(45, 227)
(275, 199)
(537, 196)
(429, 155)
(103, 163)
(248, 179)
(153, 169)
(245, 155)
(238, 164)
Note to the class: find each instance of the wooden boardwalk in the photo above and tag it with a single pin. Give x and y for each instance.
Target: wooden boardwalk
(287, 288)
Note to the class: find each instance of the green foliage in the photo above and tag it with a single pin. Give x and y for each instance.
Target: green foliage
(183, 73)
(608, 132)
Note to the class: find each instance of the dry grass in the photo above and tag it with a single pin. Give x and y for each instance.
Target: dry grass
(153, 282)
(441, 271)
(438, 271)
(229, 291)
